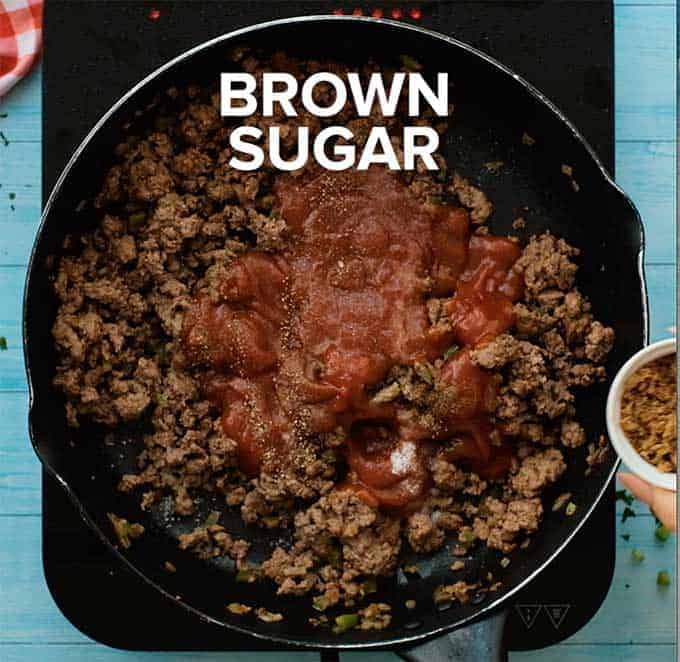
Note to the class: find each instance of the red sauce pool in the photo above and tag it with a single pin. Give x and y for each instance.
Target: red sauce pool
(294, 342)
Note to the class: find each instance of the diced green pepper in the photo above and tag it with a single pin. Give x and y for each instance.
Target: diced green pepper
(450, 352)
(213, 518)
(370, 585)
(320, 603)
(466, 536)
(162, 123)
(345, 622)
(125, 531)
(411, 63)
(136, 221)
(334, 558)
(162, 355)
(245, 576)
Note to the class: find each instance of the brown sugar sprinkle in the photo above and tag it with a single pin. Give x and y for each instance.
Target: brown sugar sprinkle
(648, 416)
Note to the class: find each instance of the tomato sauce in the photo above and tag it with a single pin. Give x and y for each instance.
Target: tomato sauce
(482, 305)
(294, 342)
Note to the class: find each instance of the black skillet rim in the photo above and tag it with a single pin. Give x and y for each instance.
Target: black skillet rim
(529, 88)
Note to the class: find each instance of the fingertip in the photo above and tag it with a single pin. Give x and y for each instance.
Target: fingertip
(664, 507)
(627, 480)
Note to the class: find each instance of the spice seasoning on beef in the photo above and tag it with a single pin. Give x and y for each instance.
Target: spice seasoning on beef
(648, 412)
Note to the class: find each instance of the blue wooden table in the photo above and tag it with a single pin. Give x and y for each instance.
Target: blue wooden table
(637, 620)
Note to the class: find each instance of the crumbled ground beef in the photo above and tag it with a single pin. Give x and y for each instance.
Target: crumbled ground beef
(173, 217)
(293, 570)
(268, 616)
(239, 608)
(556, 347)
(473, 198)
(458, 591)
(423, 534)
(537, 471)
(375, 616)
(211, 541)
(500, 523)
(546, 263)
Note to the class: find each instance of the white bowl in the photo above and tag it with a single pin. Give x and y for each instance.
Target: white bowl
(623, 447)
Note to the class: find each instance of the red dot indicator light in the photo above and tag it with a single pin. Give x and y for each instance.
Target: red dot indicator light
(377, 13)
(338, 12)
(416, 14)
(397, 13)
(358, 11)
(154, 14)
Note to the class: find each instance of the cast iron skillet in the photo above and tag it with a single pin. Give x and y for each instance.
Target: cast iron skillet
(495, 107)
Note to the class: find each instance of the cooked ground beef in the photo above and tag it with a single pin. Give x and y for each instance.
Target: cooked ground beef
(175, 220)
(537, 471)
(375, 616)
(211, 541)
(458, 591)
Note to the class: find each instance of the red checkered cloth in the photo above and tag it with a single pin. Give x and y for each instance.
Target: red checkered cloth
(20, 39)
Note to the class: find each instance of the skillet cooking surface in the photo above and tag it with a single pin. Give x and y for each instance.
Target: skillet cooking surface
(493, 111)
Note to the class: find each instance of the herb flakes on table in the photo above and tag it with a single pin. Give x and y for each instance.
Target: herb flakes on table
(663, 579)
(627, 512)
(637, 556)
(626, 497)
(661, 533)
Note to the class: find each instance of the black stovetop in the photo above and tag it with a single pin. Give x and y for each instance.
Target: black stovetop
(565, 49)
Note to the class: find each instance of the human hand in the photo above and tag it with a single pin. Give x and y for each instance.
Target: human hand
(662, 502)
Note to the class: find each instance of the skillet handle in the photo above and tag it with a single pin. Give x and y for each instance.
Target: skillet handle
(480, 642)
